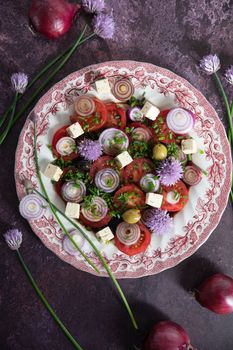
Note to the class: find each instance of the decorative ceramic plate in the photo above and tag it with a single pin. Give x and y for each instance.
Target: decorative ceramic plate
(207, 200)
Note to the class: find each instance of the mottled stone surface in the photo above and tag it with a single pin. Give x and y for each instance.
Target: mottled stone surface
(172, 34)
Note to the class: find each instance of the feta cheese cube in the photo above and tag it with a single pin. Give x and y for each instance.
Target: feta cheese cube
(72, 210)
(102, 87)
(75, 130)
(189, 146)
(53, 172)
(105, 235)
(154, 200)
(123, 159)
(150, 111)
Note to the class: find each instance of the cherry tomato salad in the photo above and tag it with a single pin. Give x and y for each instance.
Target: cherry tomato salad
(126, 166)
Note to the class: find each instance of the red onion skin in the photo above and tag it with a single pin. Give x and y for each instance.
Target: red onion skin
(216, 294)
(167, 335)
(52, 18)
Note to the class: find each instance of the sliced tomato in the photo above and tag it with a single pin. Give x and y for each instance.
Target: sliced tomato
(99, 164)
(179, 188)
(116, 116)
(150, 130)
(140, 246)
(95, 121)
(129, 196)
(56, 137)
(98, 224)
(162, 132)
(136, 170)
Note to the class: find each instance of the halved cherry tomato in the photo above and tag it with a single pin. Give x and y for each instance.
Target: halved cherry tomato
(129, 196)
(140, 246)
(179, 188)
(149, 129)
(162, 132)
(56, 137)
(116, 116)
(98, 224)
(99, 164)
(95, 121)
(136, 170)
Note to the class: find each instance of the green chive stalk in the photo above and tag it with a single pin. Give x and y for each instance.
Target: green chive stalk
(39, 75)
(78, 227)
(54, 211)
(5, 132)
(46, 303)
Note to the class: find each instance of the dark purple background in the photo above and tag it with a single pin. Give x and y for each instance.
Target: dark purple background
(172, 34)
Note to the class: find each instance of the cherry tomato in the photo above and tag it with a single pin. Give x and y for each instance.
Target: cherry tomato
(129, 196)
(179, 188)
(140, 246)
(57, 136)
(99, 164)
(136, 170)
(116, 116)
(162, 132)
(95, 121)
(98, 224)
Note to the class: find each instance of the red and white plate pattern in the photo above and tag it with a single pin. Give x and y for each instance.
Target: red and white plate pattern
(193, 225)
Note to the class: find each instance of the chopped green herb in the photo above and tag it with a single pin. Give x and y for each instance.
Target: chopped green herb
(139, 149)
(190, 157)
(201, 151)
(62, 163)
(172, 149)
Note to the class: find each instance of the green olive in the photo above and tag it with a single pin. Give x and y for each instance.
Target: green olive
(131, 216)
(159, 152)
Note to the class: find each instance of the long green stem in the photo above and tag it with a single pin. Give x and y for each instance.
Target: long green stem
(232, 109)
(221, 89)
(4, 134)
(46, 303)
(37, 77)
(78, 227)
(54, 211)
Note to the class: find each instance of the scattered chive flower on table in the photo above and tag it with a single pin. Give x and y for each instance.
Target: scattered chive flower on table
(93, 6)
(89, 149)
(210, 64)
(103, 25)
(229, 75)
(19, 82)
(158, 221)
(169, 171)
(14, 238)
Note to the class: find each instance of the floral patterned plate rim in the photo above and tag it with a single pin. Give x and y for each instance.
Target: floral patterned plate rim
(193, 225)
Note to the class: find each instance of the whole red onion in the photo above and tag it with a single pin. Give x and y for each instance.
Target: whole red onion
(167, 335)
(52, 18)
(216, 294)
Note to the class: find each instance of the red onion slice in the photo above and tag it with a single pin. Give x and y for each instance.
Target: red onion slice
(128, 234)
(69, 247)
(107, 179)
(72, 191)
(113, 141)
(192, 175)
(84, 105)
(135, 114)
(123, 89)
(65, 146)
(141, 134)
(32, 207)
(96, 211)
(149, 183)
(180, 121)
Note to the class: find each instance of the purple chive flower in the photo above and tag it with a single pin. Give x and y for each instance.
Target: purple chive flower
(28, 185)
(103, 25)
(158, 221)
(93, 6)
(229, 75)
(169, 171)
(210, 64)
(13, 238)
(89, 149)
(19, 82)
